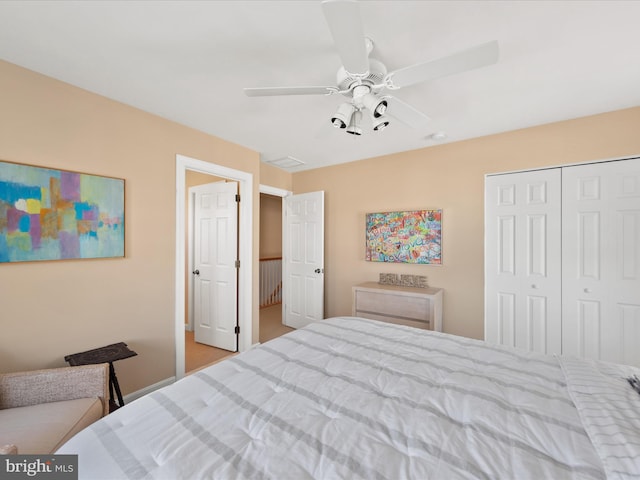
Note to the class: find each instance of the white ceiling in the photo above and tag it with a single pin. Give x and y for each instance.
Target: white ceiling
(189, 61)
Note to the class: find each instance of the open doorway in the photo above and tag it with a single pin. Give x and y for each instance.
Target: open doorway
(270, 266)
(245, 225)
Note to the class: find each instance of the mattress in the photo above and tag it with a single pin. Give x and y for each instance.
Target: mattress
(350, 398)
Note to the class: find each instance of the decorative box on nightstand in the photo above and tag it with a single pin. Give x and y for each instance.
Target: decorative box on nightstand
(416, 307)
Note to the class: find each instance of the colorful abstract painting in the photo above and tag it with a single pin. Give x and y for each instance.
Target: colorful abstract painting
(405, 237)
(50, 214)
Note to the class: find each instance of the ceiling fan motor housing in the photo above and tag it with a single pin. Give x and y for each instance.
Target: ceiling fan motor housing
(347, 81)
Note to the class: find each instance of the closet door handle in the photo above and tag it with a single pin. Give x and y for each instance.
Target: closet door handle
(587, 290)
(196, 272)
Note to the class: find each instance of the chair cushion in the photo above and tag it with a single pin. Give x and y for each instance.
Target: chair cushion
(42, 429)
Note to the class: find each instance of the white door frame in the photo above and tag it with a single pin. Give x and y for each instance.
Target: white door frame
(245, 272)
(276, 192)
(189, 326)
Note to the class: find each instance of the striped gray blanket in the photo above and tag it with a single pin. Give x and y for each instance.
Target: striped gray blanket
(349, 398)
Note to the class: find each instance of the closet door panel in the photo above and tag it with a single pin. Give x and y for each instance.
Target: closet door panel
(629, 315)
(507, 244)
(601, 261)
(522, 260)
(589, 250)
(537, 323)
(506, 317)
(589, 318)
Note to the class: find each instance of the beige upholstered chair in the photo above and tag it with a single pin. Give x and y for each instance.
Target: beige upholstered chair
(42, 409)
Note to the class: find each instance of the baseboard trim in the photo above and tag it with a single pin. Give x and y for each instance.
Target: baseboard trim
(146, 390)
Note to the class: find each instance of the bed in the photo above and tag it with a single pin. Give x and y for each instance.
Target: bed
(350, 398)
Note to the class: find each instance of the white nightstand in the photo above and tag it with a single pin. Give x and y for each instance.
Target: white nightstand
(416, 307)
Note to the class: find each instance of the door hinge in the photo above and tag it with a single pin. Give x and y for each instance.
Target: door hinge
(237, 197)
(237, 329)
(237, 263)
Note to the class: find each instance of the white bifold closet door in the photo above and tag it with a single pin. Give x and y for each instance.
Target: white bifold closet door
(562, 260)
(601, 261)
(522, 260)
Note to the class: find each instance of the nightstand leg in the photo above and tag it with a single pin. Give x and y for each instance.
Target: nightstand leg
(113, 383)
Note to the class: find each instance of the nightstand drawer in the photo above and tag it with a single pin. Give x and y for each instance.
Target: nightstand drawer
(391, 305)
(416, 307)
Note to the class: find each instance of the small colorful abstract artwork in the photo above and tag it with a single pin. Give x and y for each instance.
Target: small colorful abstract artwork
(405, 237)
(48, 214)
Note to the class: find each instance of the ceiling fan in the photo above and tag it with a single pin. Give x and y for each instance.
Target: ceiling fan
(363, 80)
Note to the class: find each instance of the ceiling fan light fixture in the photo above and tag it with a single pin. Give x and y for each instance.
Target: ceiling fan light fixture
(354, 128)
(380, 109)
(376, 105)
(380, 123)
(343, 116)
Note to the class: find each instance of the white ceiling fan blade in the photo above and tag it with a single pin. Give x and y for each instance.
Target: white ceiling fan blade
(480, 56)
(407, 114)
(343, 18)
(271, 91)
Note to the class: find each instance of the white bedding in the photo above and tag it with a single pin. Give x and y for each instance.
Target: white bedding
(350, 398)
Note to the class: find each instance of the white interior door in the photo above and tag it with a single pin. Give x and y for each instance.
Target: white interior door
(601, 261)
(303, 259)
(523, 301)
(214, 269)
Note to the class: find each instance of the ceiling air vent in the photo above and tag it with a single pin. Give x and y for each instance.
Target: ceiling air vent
(286, 162)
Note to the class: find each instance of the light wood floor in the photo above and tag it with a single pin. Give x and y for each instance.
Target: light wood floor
(271, 323)
(198, 355)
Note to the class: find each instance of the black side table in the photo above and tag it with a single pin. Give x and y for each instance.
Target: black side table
(108, 354)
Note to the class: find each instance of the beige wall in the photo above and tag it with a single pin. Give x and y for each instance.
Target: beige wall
(450, 177)
(275, 177)
(270, 226)
(51, 309)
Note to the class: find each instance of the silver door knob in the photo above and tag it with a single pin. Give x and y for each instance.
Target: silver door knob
(587, 290)
(534, 286)
(196, 272)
